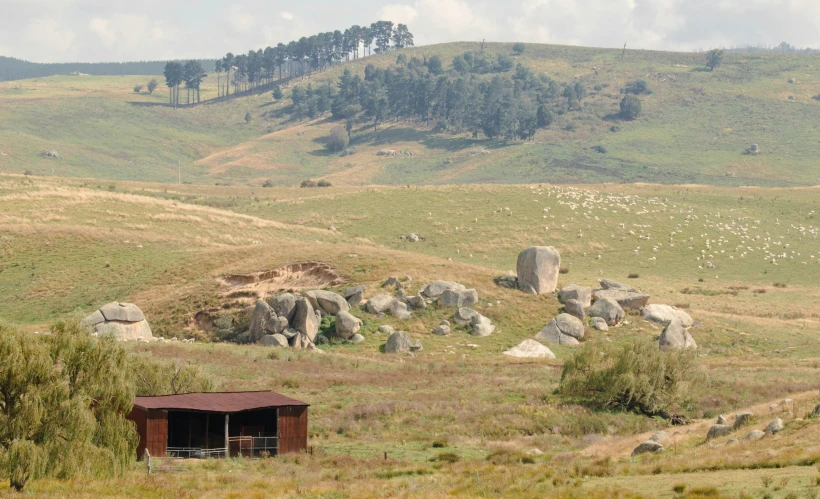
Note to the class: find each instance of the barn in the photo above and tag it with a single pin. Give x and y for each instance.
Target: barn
(202, 425)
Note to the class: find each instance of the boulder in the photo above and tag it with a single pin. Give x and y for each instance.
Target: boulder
(755, 435)
(379, 304)
(608, 310)
(775, 426)
(537, 269)
(436, 288)
(674, 335)
(354, 295)
(452, 298)
(576, 292)
(659, 436)
(264, 321)
(393, 281)
(320, 339)
(464, 316)
(284, 305)
(574, 308)
(562, 330)
(305, 319)
(356, 338)
(327, 302)
(400, 342)
(347, 325)
(599, 324)
(274, 340)
(386, 329)
(441, 330)
(412, 238)
(626, 299)
(530, 349)
(721, 419)
(416, 302)
(400, 310)
(718, 430)
(481, 326)
(125, 321)
(610, 284)
(664, 314)
(742, 419)
(816, 412)
(648, 446)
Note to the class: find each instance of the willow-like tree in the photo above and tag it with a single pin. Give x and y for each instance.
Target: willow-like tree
(65, 399)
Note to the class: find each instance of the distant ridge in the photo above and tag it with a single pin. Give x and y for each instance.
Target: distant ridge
(17, 69)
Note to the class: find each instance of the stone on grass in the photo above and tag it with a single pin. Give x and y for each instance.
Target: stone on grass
(575, 292)
(305, 319)
(675, 336)
(718, 430)
(274, 340)
(284, 305)
(393, 281)
(265, 321)
(648, 446)
(125, 321)
(386, 329)
(611, 284)
(659, 436)
(481, 326)
(380, 304)
(537, 268)
(441, 330)
(574, 308)
(775, 426)
(562, 330)
(347, 325)
(416, 302)
(742, 419)
(354, 295)
(755, 435)
(356, 338)
(400, 342)
(462, 298)
(627, 299)
(464, 316)
(721, 419)
(608, 310)
(599, 324)
(530, 349)
(436, 288)
(664, 314)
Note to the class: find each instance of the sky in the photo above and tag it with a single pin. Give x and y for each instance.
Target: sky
(112, 30)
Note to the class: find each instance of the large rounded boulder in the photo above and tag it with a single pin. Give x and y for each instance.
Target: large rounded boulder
(675, 336)
(562, 330)
(123, 320)
(607, 309)
(537, 269)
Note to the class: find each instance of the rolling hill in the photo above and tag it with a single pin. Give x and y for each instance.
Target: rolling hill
(695, 128)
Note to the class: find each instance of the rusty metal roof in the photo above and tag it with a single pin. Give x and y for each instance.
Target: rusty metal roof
(223, 402)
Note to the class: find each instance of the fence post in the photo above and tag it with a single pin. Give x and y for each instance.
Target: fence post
(148, 461)
(385, 455)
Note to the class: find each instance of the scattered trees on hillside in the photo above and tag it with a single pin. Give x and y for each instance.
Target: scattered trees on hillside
(174, 74)
(65, 399)
(714, 58)
(630, 107)
(338, 139)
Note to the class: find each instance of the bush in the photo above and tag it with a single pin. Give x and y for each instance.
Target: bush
(630, 108)
(633, 276)
(277, 93)
(248, 117)
(563, 270)
(152, 85)
(268, 183)
(447, 457)
(679, 488)
(137, 89)
(599, 149)
(338, 139)
(308, 183)
(518, 48)
(816, 97)
(598, 88)
(323, 183)
(543, 116)
(637, 87)
(636, 377)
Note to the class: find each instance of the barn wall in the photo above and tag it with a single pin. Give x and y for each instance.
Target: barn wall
(293, 429)
(157, 432)
(138, 416)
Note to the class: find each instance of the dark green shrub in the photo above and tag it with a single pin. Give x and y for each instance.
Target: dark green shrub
(630, 108)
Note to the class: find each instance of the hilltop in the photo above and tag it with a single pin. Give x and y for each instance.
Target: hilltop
(696, 127)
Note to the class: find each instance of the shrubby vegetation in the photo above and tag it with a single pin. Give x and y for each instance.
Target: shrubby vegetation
(630, 107)
(637, 87)
(633, 377)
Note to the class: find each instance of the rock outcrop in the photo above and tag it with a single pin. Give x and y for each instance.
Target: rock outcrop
(347, 325)
(461, 298)
(664, 314)
(648, 446)
(674, 335)
(608, 310)
(562, 330)
(530, 349)
(537, 268)
(401, 342)
(575, 292)
(436, 288)
(124, 320)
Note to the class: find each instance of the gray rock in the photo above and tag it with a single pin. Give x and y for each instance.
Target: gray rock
(816, 412)
(608, 310)
(444, 323)
(775, 426)
(124, 321)
(562, 330)
(626, 299)
(755, 435)
(284, 305)
(574, 308)
(660, 436)
(289, 333)
(452, 298)
(95, 318)
(122, 312)
(400, 310)
(441, 330)
(386, 329)
(264, 322)
(664, 314)
(718, 430)
(732, 440)
(436, 288)
(481, 326)
(742, 419)
(327, 302)
(648, 446)
(400, 342)
(320, 339)
(530, 349)
(356, 338)
(464, 316)
(674, 335)
(599, 324)
(354, 295)
(347, 325)
(721, 419)
(127, 331)
(413, 238)
(576, 292)
(393, 281)
(274, 340)
(506, 281)
(537, 268)
(380, 304)
(610, 284)
(416, 302)
(305, 319)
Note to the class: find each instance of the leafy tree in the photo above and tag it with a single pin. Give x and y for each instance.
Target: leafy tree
(714, 58)
(152, 85)
(338, 139)
(637, 87)
(174, 74)
(630, 107)
(248, 118)
(636, 377)
(155, 376)
(518, 48)
(137, 89)
(277, 93)
(65, 399)
(434, 65)
(543, 116)
(193, 73)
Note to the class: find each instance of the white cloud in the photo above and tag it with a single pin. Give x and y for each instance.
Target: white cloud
(287, 16)
(99, 27)
(241, 19)
(50, 35)
(398, 13)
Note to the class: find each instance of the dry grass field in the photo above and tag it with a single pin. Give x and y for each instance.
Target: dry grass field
(459, 419)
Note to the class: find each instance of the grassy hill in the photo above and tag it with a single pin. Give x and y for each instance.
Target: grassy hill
(695, 128)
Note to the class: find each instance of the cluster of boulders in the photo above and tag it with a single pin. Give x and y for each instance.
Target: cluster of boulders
(721, 428)
(123, 320)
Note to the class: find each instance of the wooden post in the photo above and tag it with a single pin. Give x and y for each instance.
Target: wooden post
(227, 446)
(147, 457)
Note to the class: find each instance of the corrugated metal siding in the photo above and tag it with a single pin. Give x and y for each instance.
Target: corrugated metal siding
(157, 432)
(293, 429)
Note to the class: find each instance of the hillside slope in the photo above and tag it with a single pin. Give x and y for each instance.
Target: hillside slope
(695, 128)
